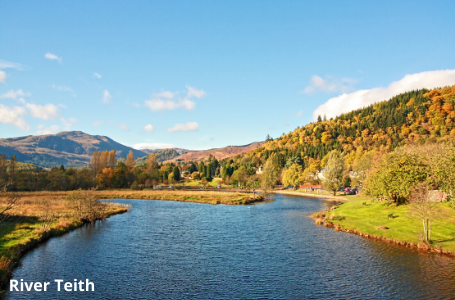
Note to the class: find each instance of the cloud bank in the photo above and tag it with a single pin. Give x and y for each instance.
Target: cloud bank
(361, 98)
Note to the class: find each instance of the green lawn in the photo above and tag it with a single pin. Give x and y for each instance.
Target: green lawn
(402, 227)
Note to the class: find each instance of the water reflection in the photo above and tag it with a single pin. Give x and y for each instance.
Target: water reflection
(175, 250)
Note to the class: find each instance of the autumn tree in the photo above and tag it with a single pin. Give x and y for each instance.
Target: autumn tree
(334, 171)
(151, 163)
(292, 176)
(112, 159)
(130, 161)
(269, 176)
(396, 174)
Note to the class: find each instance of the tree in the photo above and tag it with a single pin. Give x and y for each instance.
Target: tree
(269, 176)
(130, 161)
(424, 207)
(151, 163)
(11, 201)
(176, 174)
(396, 174)
(195, 175)
(292, 176)
(112, 159)
(252, 182)
(334, 171)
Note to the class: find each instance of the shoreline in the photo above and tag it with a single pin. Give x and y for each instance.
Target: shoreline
(12, 256)
(336, 198)
(321, 219)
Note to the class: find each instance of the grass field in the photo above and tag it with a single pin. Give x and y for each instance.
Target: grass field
(368, 218)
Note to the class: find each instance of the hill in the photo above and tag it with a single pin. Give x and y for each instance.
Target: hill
(161, 155)
(414, 117)
(219, 153)
(70, 148)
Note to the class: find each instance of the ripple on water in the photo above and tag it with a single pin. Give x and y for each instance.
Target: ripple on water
(178, 250)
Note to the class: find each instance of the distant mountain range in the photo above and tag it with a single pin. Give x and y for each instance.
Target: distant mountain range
(74, 149)
(219, 153)
(70, 148)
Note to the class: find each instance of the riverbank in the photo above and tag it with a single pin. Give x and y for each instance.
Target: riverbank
(208, 197)
(391, 223)
(34, 220)
(323, 194)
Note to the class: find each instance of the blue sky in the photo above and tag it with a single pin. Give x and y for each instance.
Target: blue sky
(205, 74)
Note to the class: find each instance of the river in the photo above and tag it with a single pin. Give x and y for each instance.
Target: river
(273, 250)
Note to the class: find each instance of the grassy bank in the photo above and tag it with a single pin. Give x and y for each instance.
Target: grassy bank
(209, 197)
(391, 223)
(35, 219)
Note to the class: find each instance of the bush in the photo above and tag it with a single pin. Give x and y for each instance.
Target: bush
(135, 186)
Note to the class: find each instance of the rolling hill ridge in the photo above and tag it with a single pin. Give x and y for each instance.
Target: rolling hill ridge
(69, 148)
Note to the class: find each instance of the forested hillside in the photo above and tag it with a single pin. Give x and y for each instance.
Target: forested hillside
(413, 117)
(161, 156)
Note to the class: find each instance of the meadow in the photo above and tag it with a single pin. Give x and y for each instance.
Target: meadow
(392, 223)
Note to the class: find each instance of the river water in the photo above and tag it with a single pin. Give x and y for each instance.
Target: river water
(178, 250)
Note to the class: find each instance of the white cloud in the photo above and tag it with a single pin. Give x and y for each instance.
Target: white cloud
(106, 96)
(326, 85)
(195, 92)
(149, 128)
(67, 123)
(97, 75)
(48, 130)
(141, 146)
(62, 88)
(299, 114)
(160, 104)
(6, 64)
(97, 123)
(45, 112)
(123, 126)
(285, 124)
(167, 100)
(51, 56)
(361, 98)
(13, 116)
(165, 95)
(190, 126)
(15, 94)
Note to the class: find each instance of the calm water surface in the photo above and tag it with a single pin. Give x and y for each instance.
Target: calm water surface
(177, 250)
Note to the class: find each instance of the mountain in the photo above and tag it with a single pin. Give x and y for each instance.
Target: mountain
(69, 148)
(219, 153)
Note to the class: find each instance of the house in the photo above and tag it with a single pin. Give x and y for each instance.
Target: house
(259, 170)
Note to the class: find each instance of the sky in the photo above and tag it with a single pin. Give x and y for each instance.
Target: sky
(209, 74)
